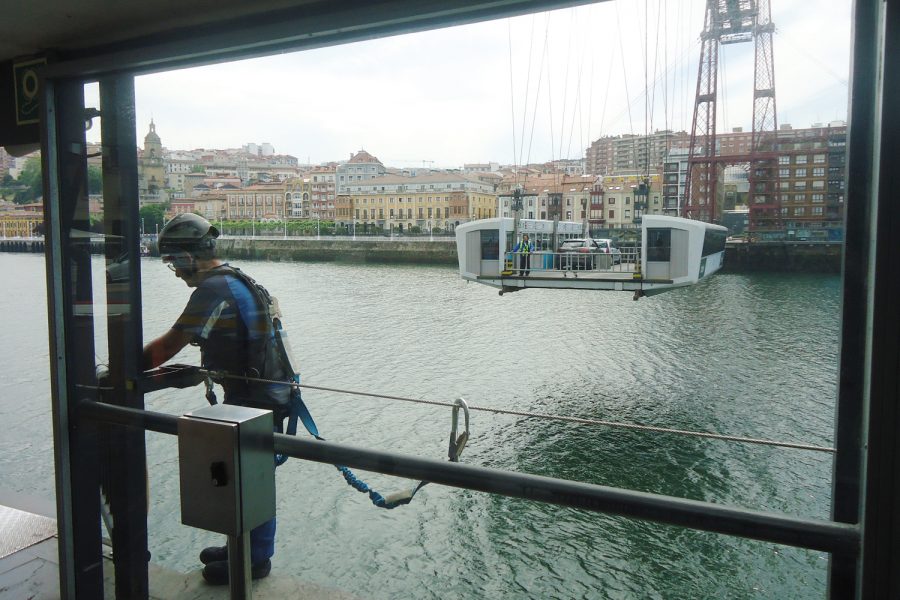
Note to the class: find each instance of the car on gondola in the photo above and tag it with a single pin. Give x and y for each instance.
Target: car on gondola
(582, 253)
(607, 246)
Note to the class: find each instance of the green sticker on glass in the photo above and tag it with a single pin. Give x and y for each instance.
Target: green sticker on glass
(28, 98)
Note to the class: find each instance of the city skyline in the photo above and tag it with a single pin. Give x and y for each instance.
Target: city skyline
(479, 93)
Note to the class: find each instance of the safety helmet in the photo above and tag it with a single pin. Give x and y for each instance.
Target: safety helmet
(187, 232)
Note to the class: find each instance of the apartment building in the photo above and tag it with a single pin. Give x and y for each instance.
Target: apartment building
(675, 170)
(297, 204)
(261, 201)
(212, 206)
(609, 155)
(6, 162)
(473, 168)
(564, 197)
(362, 166)
(811, 181)
(625, 201)
(323, 192)
(434, 201)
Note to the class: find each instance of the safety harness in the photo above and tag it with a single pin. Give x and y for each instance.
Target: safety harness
(276, 341)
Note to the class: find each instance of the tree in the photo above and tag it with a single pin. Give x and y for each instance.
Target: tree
(153, 215)
(96, 223)
(31, 177)
(7, 179)
(95, 180)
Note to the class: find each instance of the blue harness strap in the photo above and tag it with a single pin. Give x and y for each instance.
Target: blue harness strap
(299, 412)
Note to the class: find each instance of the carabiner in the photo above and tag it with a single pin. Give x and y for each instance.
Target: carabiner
(457, 444)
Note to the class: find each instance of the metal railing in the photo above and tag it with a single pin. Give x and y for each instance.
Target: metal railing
(539, 262)
(812, 534)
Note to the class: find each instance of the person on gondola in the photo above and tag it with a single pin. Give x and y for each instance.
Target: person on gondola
(524, 250)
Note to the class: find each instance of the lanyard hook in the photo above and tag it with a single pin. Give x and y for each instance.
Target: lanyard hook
(457, 444)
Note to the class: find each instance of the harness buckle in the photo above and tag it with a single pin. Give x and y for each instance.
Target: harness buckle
(457, 444)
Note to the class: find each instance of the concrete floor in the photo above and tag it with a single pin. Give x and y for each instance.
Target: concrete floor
(29, 569)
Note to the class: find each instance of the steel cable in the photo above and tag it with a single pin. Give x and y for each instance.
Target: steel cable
(528, 414)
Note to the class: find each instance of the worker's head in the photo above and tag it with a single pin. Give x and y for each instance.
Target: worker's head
(185, 241)
(525, 237)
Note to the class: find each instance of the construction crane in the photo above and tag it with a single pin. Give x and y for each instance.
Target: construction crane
(425, 163)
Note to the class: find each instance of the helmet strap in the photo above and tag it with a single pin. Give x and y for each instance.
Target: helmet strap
(191, 269)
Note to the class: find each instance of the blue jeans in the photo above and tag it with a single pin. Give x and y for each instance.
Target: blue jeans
(262, 542)
(262, 537)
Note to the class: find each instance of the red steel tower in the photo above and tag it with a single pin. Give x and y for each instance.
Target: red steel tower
(732, 22)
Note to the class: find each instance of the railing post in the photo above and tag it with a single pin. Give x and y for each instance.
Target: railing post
(71, 324)
(844, 569)
(879, 68)
(126, 483)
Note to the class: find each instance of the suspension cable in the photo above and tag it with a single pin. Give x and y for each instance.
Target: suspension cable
(512, 97)
(549, 417)
(518, 162)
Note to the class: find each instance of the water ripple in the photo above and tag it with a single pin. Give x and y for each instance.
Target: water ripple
(743, 355)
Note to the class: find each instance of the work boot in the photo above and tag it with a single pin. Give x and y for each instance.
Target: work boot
(216, 573)
(213, 554)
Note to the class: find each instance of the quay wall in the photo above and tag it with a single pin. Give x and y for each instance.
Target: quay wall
(792, 257)
(784, 257)
(363, 250)
(22, 245)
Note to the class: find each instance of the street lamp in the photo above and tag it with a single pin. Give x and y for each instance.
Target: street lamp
(317, 227)
(142, 226)
(354, 230)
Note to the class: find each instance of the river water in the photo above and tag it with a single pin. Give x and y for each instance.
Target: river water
(747, 355)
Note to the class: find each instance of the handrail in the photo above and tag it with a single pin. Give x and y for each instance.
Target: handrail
(814, 534)
(587, 263)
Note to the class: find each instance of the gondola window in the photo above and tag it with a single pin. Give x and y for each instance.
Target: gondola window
(659, 245)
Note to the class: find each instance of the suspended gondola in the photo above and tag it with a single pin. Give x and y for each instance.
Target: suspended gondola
(672, 252)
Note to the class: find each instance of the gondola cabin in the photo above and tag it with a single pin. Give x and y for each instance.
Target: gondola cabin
(681, 250)
(672, 252)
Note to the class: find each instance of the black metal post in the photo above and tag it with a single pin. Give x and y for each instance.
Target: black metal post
(880, 576)
(860, 205)
(71, 321)
(126, 480)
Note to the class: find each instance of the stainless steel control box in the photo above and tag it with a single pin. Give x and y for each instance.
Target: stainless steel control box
(227, 468)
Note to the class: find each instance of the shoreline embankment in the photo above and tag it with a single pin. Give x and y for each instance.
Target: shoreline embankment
(783, 257)
(789, 257)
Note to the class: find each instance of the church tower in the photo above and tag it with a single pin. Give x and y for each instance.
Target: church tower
(152, 169)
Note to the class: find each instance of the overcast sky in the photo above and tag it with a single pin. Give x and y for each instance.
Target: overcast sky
(528, 89)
